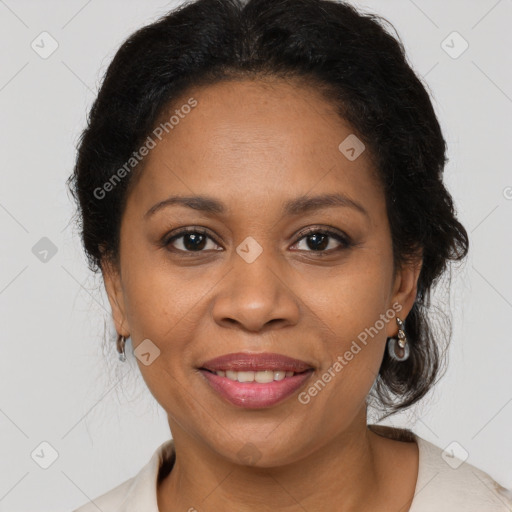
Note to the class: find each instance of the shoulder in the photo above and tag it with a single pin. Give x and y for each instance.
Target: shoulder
(445, 479)
(446, 482)
(139, 492)
(109, 501)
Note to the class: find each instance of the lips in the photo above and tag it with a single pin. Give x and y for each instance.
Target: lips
(244, 379)
(243, 361)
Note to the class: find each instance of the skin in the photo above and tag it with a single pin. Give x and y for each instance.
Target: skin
(254, 145)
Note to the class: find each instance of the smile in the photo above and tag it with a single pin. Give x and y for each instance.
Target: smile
(255, 390)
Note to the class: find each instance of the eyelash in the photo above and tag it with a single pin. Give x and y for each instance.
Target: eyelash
(344, 240)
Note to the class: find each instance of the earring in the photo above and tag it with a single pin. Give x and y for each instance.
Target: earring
(398, 348)
(121, 340)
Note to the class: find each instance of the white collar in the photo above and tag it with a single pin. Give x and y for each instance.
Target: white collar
(465, 489)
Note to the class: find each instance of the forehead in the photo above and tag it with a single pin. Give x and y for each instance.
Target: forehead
(254, 139)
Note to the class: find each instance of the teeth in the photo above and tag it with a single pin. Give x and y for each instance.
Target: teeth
(263, 377)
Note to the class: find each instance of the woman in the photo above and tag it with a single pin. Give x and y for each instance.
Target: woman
(260, 185)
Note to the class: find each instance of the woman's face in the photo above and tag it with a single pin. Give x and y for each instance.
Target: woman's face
(252, 280)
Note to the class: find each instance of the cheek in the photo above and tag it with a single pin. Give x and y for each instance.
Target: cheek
(352, 308)
(168, 306)
(154, 295)
(160, 304)
(163, 306)
(356, 294)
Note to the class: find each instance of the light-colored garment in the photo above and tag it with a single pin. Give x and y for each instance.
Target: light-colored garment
(439, 488)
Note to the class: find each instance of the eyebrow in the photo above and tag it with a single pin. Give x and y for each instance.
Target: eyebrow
(299, 205)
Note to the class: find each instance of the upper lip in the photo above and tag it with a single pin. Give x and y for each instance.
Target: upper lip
(243, 361)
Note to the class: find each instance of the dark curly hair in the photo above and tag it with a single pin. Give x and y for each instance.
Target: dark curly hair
(359, 67)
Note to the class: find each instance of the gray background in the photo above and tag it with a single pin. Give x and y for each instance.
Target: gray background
(57, 385)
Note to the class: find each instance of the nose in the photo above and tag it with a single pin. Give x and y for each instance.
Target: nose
(255, 296)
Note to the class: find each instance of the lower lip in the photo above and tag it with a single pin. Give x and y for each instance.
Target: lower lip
(253, 395)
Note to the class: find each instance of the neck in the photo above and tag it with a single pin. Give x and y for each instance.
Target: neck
(349, 472)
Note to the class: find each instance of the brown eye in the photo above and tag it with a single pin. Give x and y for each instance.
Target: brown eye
(189, 240)
(318, 240)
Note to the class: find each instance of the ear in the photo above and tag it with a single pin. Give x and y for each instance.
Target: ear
(113, 286)
(405, 289)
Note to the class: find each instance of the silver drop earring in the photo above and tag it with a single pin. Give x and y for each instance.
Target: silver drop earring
(398, 348)
(121, 340)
